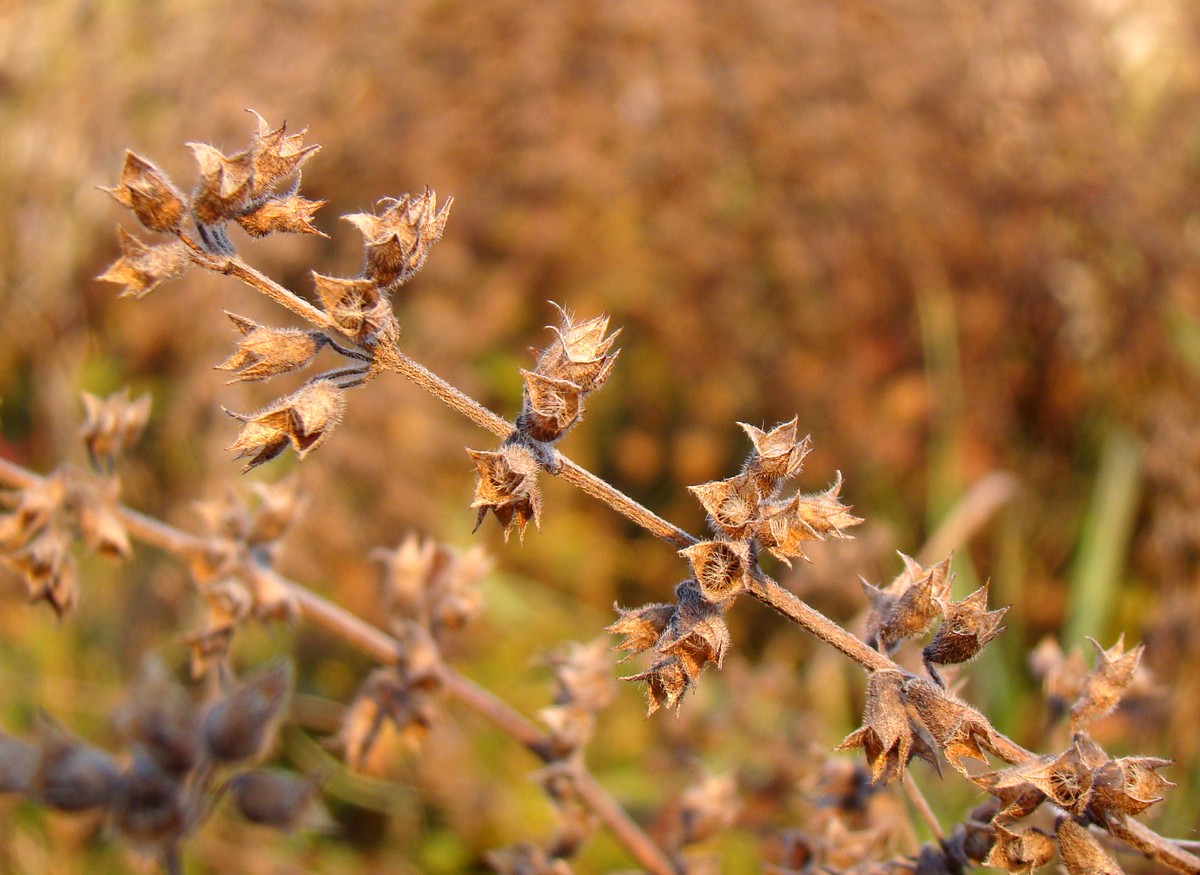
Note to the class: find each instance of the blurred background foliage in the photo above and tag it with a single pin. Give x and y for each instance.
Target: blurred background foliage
(955, 238)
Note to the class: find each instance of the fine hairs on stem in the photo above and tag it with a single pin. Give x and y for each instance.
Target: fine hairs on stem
(181, 756)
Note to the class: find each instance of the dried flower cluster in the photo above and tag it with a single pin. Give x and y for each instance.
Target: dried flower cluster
(747, 515)
(182, 756)
(176, 762)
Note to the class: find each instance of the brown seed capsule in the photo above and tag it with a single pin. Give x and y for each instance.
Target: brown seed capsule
(149, 808)
(238, 725)
(111, 425)
(507, 486)
(225, 184)
(359, 309)
(273, 798)
(150, 194)
(732, 504)
(288, 215)
(641, 626)
(142, 268)
(275, 155)
(666, 682)
(549, 407)
(1104, 685)
(1081, 854)
(967, 626)
(777, 455)
(888, 735)
(720, 568)
(265, 352)
(398, 239)
(784, 525)
(72, 775)
(1020, 851)
(303, 419)
(579, 353)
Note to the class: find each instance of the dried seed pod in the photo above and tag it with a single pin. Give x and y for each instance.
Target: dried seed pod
(666, 682)
(275, 155)
(112, 425)
(398, 239)
(96, 507)
(1127, 786)
(785, 525)
(1021, 850)
(160, 721)
(239, 724)
(303, 419)
(273, 798)
(967, 626)
(1080, 852)
(265, 352)
(570, 728)
(721, 568)
(583, 675)
(549, 407)
(49, 570)
(359, 309)
(732, 505)
(959, 730)
(142, 268)
(287, 215)
(696, 632)
(150, 194)
(777, 456)
(149, 808)
(279, 505)
(909, 605)
(1103, 687)
(507, 486)
(640, 626)
(225, 184)
(393, 694)
(72, 775)
(32, 510)
(1067, 779)
(888, 736)
(579, 354)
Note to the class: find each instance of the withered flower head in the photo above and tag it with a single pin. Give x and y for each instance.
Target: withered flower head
(1021, 851)
(666, 681)
(1103, 687)
(225, 184)
(303, 419)
(579, 353)
(72, 775)
(359, 309)
(1080, 852)
(1067, 779)
(150, 194)
(1128, 786)
(777, 455)
(398, 239)
(1015, 795)
(786, 524)
(959, 730)
(888, 736)
(640, 626)
(909, 605)
(967, 626)
(264, 352)
(1062, 675)
(238, 725)
(111, 425)
(275, 155)
(279, 505)
(721, 568)
(549, 406)
(507, 486)
(142, 268)
(389, 695)
(732, 504)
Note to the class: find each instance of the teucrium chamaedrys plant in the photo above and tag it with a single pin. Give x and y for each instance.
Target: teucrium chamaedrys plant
(1079, 793)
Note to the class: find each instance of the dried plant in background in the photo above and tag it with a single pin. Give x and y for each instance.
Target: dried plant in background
(1080, 794)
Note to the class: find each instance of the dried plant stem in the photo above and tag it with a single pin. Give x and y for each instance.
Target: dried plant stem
(622, 503)
(1155, 847)
(234, 266)
(385, 649)
(919, 802)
